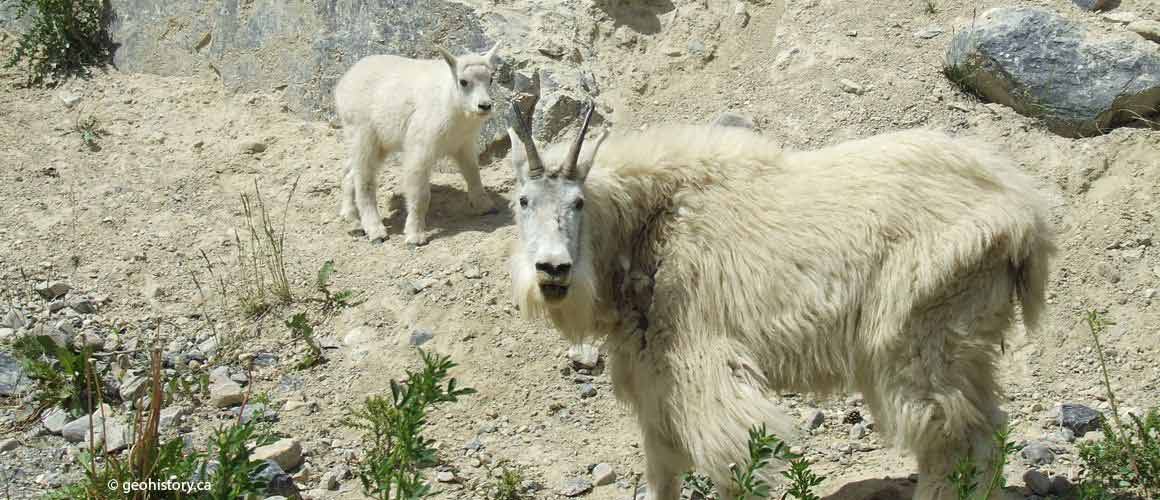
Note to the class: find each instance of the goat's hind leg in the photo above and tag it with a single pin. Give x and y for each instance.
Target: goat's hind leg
(942, 400)
(363, 180)
(348, 211)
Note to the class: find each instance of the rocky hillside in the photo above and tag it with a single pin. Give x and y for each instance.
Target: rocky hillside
(126, 231)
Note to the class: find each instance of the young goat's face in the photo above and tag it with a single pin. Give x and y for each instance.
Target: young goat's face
(549, 210)
(472, 74)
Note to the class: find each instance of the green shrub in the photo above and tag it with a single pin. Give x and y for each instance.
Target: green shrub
(396, 450)
(65, 38)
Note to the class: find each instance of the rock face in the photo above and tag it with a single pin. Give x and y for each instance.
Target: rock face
(1084, 86)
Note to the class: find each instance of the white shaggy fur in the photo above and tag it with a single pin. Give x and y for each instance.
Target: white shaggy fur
(425, 109)
(886, 265)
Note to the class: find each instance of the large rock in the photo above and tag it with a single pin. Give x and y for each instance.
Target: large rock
(1084, 85)
(1079, 418)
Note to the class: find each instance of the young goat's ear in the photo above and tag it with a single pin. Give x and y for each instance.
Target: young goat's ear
(519, 157)
(493, 55)
(450, 60)
(588, 155)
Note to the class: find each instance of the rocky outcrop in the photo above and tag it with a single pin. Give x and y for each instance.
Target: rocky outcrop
(1083, 85)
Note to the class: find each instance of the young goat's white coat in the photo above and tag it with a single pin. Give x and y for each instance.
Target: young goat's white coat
(887, 265)
(425, 109)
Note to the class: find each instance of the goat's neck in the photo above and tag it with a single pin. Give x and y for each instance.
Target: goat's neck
(627, 214)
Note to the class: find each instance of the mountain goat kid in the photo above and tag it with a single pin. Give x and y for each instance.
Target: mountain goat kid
(425, 109)
(888, 265)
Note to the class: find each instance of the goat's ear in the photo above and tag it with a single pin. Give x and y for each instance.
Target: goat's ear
(588, 155)
(519, 157)
(450, 60)
(492, 55)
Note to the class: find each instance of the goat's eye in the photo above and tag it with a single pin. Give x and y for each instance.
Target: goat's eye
(579, 205)
(462, 83)
(524, 202)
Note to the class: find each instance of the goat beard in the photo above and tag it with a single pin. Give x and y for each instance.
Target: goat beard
(573, 316)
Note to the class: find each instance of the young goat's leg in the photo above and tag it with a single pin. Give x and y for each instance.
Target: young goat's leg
(417, 190)
(468, 163)
(366, 160)
(348, 211)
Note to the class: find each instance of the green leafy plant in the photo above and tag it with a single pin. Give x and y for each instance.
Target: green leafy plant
(89, 129)
(332, 300)
(508, 486)
(965, 478)
(1126, 463)
(396, 450)
(59, 372)
(65, 38)
(301, 330)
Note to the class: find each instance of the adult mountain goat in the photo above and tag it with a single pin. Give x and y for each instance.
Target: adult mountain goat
(426, 109)
(887, 265)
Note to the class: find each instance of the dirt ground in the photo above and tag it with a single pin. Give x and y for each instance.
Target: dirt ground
(165, 186)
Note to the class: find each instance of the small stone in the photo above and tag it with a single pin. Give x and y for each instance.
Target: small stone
(224, 394)
(54, 420)
(731, 119)
(421, 336)
(134, 387)
(52, 290)
(419, 285)
(1060, 486)
(1092, 5)
(815, 419)
(1079, 418)
(15, 319)
(78, 429)
(473, 445)
(603, 474)
(576, 487)
(172, 416)
(84, 306)
(330, 480)
(929, 32)
(1037, 481)
(587, 391)
(858, 431)
(69, 100)
(1038, 454)
(287, 453)
(9, 445)
(584, 356)
(472, 272)
(851, 87)
(445, 476)
(1063, 435)
(258, 411)
(117, 436)
(358, 336)
(56, 306)
(251, 147)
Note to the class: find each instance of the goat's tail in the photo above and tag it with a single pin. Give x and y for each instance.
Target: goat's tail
(1031, 273)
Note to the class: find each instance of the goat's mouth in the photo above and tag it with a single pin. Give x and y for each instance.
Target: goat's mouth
(553, 292)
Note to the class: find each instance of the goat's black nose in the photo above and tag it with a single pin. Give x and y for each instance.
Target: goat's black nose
(556, 270)
(485, 107)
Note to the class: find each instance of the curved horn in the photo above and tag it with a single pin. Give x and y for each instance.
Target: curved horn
(569, 167)
(535, 166)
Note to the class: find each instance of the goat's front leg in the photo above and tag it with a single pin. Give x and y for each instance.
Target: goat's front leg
(664, 465)
(417, 166)
(468, 163)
